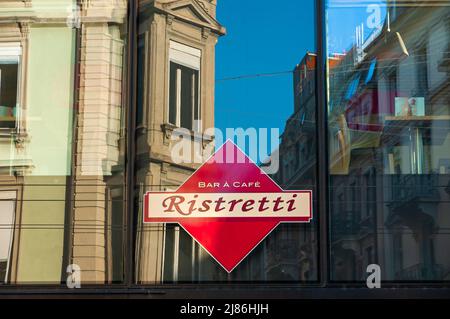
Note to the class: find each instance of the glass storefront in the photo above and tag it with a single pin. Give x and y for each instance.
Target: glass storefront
(166, 253)
(97, 96)
(389, 141)
(62, 140)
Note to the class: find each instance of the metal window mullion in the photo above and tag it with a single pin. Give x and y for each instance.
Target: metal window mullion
(322, 141)
(129, 253)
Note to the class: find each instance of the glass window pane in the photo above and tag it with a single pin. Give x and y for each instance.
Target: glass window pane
(188, 79)
(227, 80)
(8, 93)
(7, 218)
(62, 141)
(389, 139)
(173, 97)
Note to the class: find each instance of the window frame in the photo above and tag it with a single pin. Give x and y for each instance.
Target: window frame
(20, 35)
(10, 195)
(189, 57)
(323, 289)
(14, 49)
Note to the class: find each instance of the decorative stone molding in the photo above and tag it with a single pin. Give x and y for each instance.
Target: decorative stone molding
(167, 132)
(20, 140)
(103, 11)
(197, 137)
(23, 170)
(169, 19)
(206, 140)
(191, 11)
(202, 5)
(165, 167)
(206, 32)
(24, 30)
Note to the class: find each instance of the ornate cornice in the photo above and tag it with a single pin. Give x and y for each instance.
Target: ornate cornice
(13, 11)
(24, 30)
(189, 11)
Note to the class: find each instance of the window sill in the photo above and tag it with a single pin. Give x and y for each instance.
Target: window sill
(168, 130)
(8, 132)
(12, 133)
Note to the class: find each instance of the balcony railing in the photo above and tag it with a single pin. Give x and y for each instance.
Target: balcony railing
(420, 272)
(407, 188)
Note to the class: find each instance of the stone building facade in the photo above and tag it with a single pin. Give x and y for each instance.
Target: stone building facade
(62, 69)
(176, 56)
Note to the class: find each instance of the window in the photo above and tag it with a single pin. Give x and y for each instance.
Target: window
(369, 255)
(67, 166)
(393, 156)
(7, 207)
(9, 74)
(184, 106)
(422, 71)
(392, 79)
(197, 86)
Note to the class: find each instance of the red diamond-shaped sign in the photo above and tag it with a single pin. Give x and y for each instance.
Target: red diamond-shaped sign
(229, 205)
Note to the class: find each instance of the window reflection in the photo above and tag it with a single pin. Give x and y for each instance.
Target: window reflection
(293, 248)
(7, 217)
(179, 88)
(10, 54)
(389, 140)
(62, 140)
(178, 93)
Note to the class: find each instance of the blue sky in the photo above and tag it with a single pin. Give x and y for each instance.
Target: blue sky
(343, 20)
(262, 37)
(266, 36)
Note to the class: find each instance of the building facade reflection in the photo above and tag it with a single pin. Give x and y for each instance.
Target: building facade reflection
(62, 139)
(389, 143)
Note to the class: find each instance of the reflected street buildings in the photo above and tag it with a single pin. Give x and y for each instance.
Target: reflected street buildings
(389, 162)
(176, 80)
(62, 139)
(65, 90)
